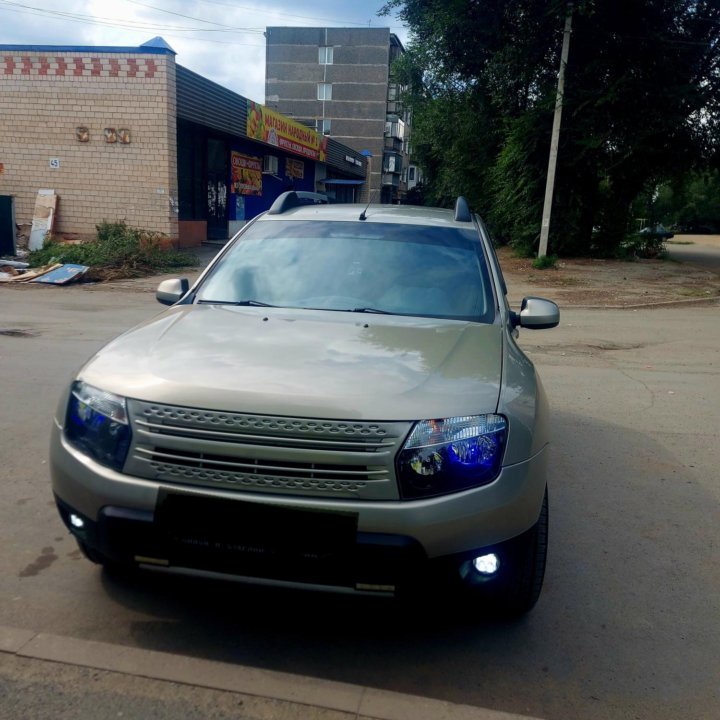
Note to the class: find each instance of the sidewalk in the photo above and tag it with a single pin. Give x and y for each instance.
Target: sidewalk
(45, 675)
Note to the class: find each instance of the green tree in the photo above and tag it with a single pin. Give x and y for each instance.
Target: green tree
(641, 107)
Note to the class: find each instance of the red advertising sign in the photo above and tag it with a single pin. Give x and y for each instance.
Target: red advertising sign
(275, 129)
(246, 174)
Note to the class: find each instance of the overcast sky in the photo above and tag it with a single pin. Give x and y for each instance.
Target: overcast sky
(220, 39)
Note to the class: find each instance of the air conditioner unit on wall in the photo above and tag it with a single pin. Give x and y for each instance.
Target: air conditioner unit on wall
(270, 165)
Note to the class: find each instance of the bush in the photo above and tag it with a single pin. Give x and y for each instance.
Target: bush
(119, 251)
(545, 262)
(643, 245)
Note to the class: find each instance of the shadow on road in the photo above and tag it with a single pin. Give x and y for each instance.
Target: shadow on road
(626, 622)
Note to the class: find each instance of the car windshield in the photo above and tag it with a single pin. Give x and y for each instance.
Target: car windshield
(356, 267)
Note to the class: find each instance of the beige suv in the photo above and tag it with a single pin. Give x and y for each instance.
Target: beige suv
(337, 402)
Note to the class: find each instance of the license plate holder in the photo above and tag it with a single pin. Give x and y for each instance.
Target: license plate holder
(257, 539)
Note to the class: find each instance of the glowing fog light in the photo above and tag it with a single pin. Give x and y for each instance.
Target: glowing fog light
(76, 521)
(487, 564)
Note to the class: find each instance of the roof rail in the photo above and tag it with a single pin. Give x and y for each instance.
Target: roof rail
(462, 210)
(296, 198)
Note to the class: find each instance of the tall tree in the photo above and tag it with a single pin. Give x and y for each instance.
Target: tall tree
(641, 105)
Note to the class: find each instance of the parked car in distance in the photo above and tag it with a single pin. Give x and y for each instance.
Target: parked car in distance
(338, 402)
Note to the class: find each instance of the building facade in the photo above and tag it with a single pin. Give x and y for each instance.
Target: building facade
(338, 81)
(125, 133)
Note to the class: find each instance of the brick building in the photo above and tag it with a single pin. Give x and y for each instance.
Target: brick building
(125, 133)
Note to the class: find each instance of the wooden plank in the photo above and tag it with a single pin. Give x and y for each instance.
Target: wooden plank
(32, 274)
(43, 218)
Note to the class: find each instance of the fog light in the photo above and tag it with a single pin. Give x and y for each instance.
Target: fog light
(487, 564)
(76, 521)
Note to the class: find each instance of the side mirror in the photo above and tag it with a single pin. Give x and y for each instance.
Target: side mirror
(170, 291)
(537, 314)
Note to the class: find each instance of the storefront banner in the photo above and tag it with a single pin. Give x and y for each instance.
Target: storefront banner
(246, 174)
(275, 129)
(295, 169)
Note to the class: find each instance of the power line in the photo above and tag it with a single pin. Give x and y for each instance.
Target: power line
(167, 32)
(189, 17)
(111, 22)
(324, 20)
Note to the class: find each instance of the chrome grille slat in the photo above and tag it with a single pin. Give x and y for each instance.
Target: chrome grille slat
(225, 480)
(355, 446)
(200, 459)
(283, 455)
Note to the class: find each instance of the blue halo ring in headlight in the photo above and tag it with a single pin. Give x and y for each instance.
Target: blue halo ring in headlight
(96, 423)
(444, 456)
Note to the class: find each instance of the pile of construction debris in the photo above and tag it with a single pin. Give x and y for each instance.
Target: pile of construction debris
(14, 271)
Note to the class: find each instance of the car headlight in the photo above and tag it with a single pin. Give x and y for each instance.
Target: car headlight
(97, 424)
(445, 456)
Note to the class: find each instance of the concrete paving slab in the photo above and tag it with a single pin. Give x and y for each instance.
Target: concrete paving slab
(319, 699)
(384, 705)
(12, 639)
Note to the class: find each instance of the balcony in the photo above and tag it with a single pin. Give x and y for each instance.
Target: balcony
(395, 129)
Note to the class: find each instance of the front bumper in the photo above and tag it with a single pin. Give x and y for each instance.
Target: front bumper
(378, 545)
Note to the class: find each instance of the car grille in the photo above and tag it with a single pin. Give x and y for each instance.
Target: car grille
(261, 453)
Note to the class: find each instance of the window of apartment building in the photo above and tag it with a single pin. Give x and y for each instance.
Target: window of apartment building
(323, 126)
(392, 92)
(324, 91)
(325, 55)
(411, 174)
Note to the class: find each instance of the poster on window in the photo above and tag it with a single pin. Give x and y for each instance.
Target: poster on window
(294, 169)
(246, 174)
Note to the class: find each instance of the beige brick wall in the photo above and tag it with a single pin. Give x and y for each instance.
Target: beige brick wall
(44, 97)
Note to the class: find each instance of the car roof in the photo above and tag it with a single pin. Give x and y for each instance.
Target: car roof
(401, 214)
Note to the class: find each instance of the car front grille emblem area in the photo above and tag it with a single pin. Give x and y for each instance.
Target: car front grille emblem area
(296, 456)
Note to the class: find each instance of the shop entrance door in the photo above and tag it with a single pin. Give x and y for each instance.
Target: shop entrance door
(217, 226)
(217, 190)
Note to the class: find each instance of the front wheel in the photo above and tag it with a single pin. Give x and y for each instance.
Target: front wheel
(517, 586)
(525, 581)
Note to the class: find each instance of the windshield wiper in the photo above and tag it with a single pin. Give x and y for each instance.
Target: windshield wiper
(376, 311)
(242, 303)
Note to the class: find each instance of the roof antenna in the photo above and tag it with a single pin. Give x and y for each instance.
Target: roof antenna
(363, 216)
(369, 156)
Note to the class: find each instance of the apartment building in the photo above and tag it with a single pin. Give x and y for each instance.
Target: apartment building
(339, 81)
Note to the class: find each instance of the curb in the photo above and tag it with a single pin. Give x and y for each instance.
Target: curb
(307, 694)
(650, 305)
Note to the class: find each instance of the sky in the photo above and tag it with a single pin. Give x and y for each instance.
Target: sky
(219, 39)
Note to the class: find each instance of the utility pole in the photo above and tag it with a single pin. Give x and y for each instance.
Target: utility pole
(555, 140)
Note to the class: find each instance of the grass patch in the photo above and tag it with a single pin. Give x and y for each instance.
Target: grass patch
(118, 252)
(696, 292)
(545, 262)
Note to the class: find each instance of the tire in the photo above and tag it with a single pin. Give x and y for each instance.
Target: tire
(524, 581)
(517, 588)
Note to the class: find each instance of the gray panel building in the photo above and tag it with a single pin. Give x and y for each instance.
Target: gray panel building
(337, 80)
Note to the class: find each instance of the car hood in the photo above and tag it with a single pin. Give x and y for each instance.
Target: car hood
(305, 363)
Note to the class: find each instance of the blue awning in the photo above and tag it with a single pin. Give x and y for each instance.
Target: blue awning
(338, 181)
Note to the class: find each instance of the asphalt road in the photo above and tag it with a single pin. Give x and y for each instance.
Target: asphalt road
(703, 250)
(627, 626)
